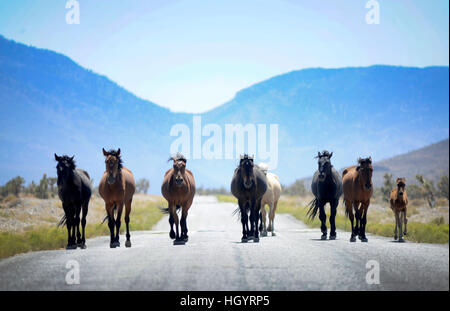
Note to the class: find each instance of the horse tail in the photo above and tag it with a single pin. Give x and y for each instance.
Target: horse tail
(313, 208)
(115, 213)
(63, 220)
(165, 210)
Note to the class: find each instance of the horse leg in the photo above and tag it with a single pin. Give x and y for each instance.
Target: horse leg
(263, 221)
(323, 220)
(83, 225)
(118, 223)
(176, 222)
(244, 220)
(363, 213)
(405, 221)
(255, 211)
(396, 224)
(77, 223)
(349, 210)
(333, 206)
(251, 233)
(183, 223)
(400, 227)
(272, 217)
(111, 223)
(358, 219)
(127, 222)
(69, 223)
(171, 222)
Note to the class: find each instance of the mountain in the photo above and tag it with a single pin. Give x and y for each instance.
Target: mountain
(431, 161)
(50, 104)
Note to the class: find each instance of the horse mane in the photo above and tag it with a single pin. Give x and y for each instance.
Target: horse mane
(178, 157)
(115, 153)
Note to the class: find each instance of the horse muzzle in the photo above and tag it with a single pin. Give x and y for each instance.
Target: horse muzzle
(248, 184)
(110, 179)
(178, 181)
(322, 177)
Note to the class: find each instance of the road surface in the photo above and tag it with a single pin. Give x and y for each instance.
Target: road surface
(214, 259)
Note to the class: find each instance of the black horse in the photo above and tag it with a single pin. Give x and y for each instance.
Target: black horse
(327, 188)
(74, 191)
(249, 185)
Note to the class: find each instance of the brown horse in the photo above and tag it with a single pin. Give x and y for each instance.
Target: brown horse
(398, 202)
(116, 187)
(357, 187)
(178, 188)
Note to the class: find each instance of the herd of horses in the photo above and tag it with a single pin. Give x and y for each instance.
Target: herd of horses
(252, 185)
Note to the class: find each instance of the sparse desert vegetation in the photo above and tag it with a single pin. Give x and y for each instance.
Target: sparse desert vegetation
(29, 217)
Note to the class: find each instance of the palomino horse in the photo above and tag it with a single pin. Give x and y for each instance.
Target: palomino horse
(327, 188)
(357, 186)
(74, 191)
(249, 185)
(117, 187)
(270, 197)
(399, 202)
(178, 188)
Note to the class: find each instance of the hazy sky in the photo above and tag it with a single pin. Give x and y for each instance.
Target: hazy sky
(194, 55)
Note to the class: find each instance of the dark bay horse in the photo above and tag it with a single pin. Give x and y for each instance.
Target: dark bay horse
(74, 191)
(117, 188)
(178, 188)
(327, 188)
(248, 185)
(358, 189)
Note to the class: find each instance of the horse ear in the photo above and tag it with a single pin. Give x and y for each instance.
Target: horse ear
(331, 154)
(57, 158)
(118, 152)
(318, 154)
(71, 159)
(370, 159)
(357, 168)
(104, 152)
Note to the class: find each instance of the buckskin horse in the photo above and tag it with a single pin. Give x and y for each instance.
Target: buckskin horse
(249, 185)
(357, 186)
(74, 191)
(117, 188)
(270, 197)
(178, 188)
(327, 188)
(398, 202)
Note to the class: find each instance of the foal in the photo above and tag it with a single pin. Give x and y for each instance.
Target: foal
(398, 202)
(117, 187)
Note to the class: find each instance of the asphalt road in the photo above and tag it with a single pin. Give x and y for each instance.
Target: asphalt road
(215, 259)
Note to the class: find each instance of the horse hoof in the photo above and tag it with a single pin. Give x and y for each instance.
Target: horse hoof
(244, 240)
(185, 239)
(128, 243)
(112, 245)
(395, 237)
(82, 246)
(332, 237)
(250, 237)
(172, 235)
(74, 246)
(263, 233)
(401, 240)
(364, 240)
(352, 239)
(274, 234)
(323, 237)
(255, 240)
(178, 242)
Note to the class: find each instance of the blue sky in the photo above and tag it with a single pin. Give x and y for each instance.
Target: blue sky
(195, 55)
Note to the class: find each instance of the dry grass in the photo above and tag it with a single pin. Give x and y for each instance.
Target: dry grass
(31, 225)
(425, 225)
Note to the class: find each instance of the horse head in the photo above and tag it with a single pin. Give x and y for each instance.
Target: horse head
(246, 170)
(401, 184)
(365, 170)
(179, 169)
(324, 164)
(113, 163)
(65, 166)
